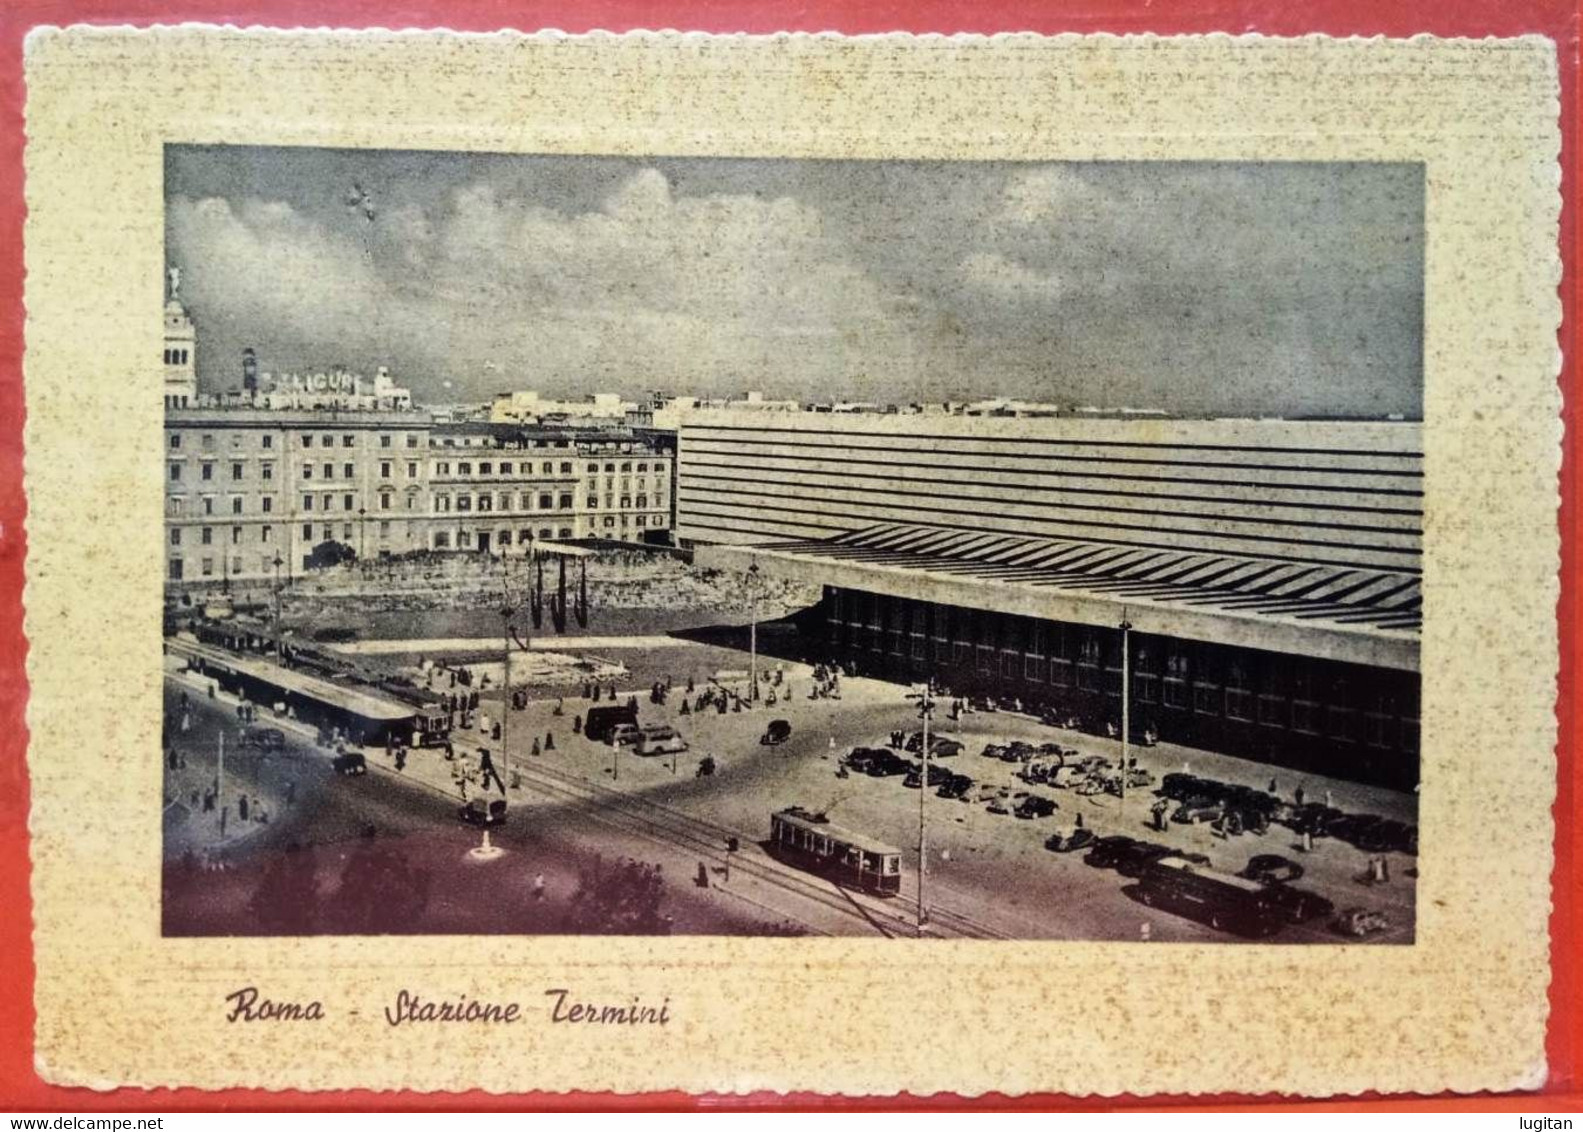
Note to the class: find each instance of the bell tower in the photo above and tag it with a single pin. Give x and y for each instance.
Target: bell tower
(181, 349)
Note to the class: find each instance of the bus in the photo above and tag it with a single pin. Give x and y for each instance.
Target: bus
(810, 842)
(1221, 900)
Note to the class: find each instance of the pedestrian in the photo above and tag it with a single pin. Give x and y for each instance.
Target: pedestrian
(1080, 820)
(1299, 795)
(538, 886)
(170, 757)
(535, 747)
(577, 725)
(1274, 787)
(1329, 801)
(241, 807)
(549, 740)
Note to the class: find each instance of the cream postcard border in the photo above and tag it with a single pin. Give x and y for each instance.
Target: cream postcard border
(1463, 1008)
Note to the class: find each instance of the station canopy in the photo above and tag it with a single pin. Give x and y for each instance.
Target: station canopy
(1165, 586)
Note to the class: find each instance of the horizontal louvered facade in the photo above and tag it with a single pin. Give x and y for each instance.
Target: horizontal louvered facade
(1343, 493)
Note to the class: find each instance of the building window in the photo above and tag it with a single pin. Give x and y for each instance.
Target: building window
(208, 471)
(1176, 670)
(208, 567)
(486, 502)
(347, 502)
(307, 440)
(175, 536)
(175, 440)
(384, 528)
(307, 471)
(464, 502)
(269, 441)
(206, 536)
(307, 531)
(442, 502)
(236, 471)
(348, 440)
(384, 501)
(566, 532)
(348, 471)
(236, 505)
(524, 536)
(384, 441)
(566, 468)
(208, 505)
(329, 472)
(412, 469)
(267, 503)
(593, 502)
(546, 502)
(266, 471)
(175, 473)
(327, 441)
(593, 467)
(566, 501)
(264, 533)
(236, 535)
(443, 468)
(307, 503)
(412, 440)
(486, 468)
(346, 531)
(465, 468)
(384, 469)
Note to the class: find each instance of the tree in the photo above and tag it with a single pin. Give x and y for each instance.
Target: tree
(331, 553)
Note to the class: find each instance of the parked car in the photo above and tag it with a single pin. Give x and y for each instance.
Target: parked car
(956, 786)
(479, 812)
(1108, 850)
(350, 764)
(776, 733)
(1198, 809)
(1000, 804)
(658, 739)
(861, 758)
(1268, 868)
(625, 735)
(1035, 806)
(941, 747)
(993, 750)
(1132, 862)
(264, 738)
(1360, 922)
(1070, 842)
(886, 764)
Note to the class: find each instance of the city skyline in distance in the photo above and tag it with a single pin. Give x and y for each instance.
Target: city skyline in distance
(1243, 289)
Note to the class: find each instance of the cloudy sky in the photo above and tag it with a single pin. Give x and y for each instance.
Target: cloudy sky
(1194, 287)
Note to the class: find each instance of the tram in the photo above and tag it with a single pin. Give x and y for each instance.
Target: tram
(809, 841)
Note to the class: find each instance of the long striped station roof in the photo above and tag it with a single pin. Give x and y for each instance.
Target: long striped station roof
(1322, 595)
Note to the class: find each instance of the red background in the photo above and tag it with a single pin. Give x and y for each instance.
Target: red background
(22, 1090)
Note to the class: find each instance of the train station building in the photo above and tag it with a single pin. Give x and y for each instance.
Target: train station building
(1267, 572)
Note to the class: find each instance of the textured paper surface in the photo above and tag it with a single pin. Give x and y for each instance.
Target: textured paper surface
(1463, 1008)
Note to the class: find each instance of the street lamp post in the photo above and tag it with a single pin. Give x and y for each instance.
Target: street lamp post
(278, 630)
(753, 632)
(925, 710)
(362, 534)
(1126, 702)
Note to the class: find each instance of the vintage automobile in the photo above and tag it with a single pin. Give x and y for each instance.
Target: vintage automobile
(1360, 922)
(1070, 842)
(1200, 808)
(482, 813)
(1133, 861)
(625, 735)
(887, 764)
(956, 786)
(658, 739)
(1296, 904)
(860, 757)
(1035, 806)
(776, 733)
(993, 750)
(1269, 868)
(264, 738)
(350, 764)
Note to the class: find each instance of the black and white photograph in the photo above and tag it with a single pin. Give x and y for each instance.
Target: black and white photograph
(643, 546)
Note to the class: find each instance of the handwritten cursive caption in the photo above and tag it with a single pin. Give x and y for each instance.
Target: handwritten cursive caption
(249, 1004)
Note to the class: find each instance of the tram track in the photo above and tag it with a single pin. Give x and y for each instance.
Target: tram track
(695, 835)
